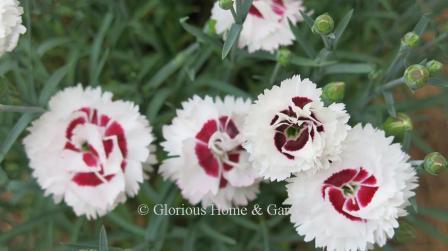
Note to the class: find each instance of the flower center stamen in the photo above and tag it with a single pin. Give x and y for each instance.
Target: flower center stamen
(295, 126)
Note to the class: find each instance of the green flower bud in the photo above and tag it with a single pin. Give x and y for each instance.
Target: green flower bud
(323, 25)
(416, 76)
(434, 66)
(226, 4)
(411, 39)
(333, 92)
(435, 163)
(398, 126)
(284, 57)
(211, 27)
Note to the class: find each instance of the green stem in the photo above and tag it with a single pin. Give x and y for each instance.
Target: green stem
(235, 17)
(390, 85)
(21, 109)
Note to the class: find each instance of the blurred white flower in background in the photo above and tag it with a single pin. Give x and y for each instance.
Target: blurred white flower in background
(205, 155)
(88, 150)
(289, 130)
(266, 26)
(355, 203)
(10, 25)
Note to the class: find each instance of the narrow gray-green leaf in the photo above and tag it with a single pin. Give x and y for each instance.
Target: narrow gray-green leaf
(420, 27)
(199, 34)
(14, 134)
(438, 82)
(212, 233)
(52, 84)
(349, 68)
(300, 61)
(103, 244)
(170, 68)
(340, 28)
(308, 20)
(231, 39)
(310, 52)
(390, 103)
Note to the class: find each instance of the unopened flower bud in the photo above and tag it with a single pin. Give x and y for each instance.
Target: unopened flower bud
(323, 24)
(398, 126)
(411, 39)
(333, 92)
(226, 4)
(435, 163)
(434, 66)
(284, 57)
(416, 76)
(211, 27)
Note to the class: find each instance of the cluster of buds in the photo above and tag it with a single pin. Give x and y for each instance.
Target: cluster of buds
(416, 76)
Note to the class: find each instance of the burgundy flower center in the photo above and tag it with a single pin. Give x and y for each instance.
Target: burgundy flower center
(216, 149)
(349, 191)
(112, 140)
(277, 6)
(293, 131)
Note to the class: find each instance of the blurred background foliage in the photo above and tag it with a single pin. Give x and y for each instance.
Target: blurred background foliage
(141, 51)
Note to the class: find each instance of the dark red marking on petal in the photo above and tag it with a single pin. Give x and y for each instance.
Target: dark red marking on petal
(340, 178)
(94, 119)
(108, 146)
(365, 195)
(337, 199)
(235, 157)
(70, 146)
(115, 129)
(104, 120)
(90, 154)
(274, 119)
(299, 143)
(255, 12)
(85, 110)
(229, 126)
(301, 101)
(278, 7)
(351, 187)
(279, 140)
(370, 181)
(223, 182)
(362, 175)
(90, 159)
(351, 205)
(72, 125)
(89, 179)
(209, 128)
(207, 160)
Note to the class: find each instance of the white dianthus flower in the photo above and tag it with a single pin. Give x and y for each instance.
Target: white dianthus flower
(266, 26)
(289, 130)
(88, 150)
(10, 25)
(355, 203)
(206, 158)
